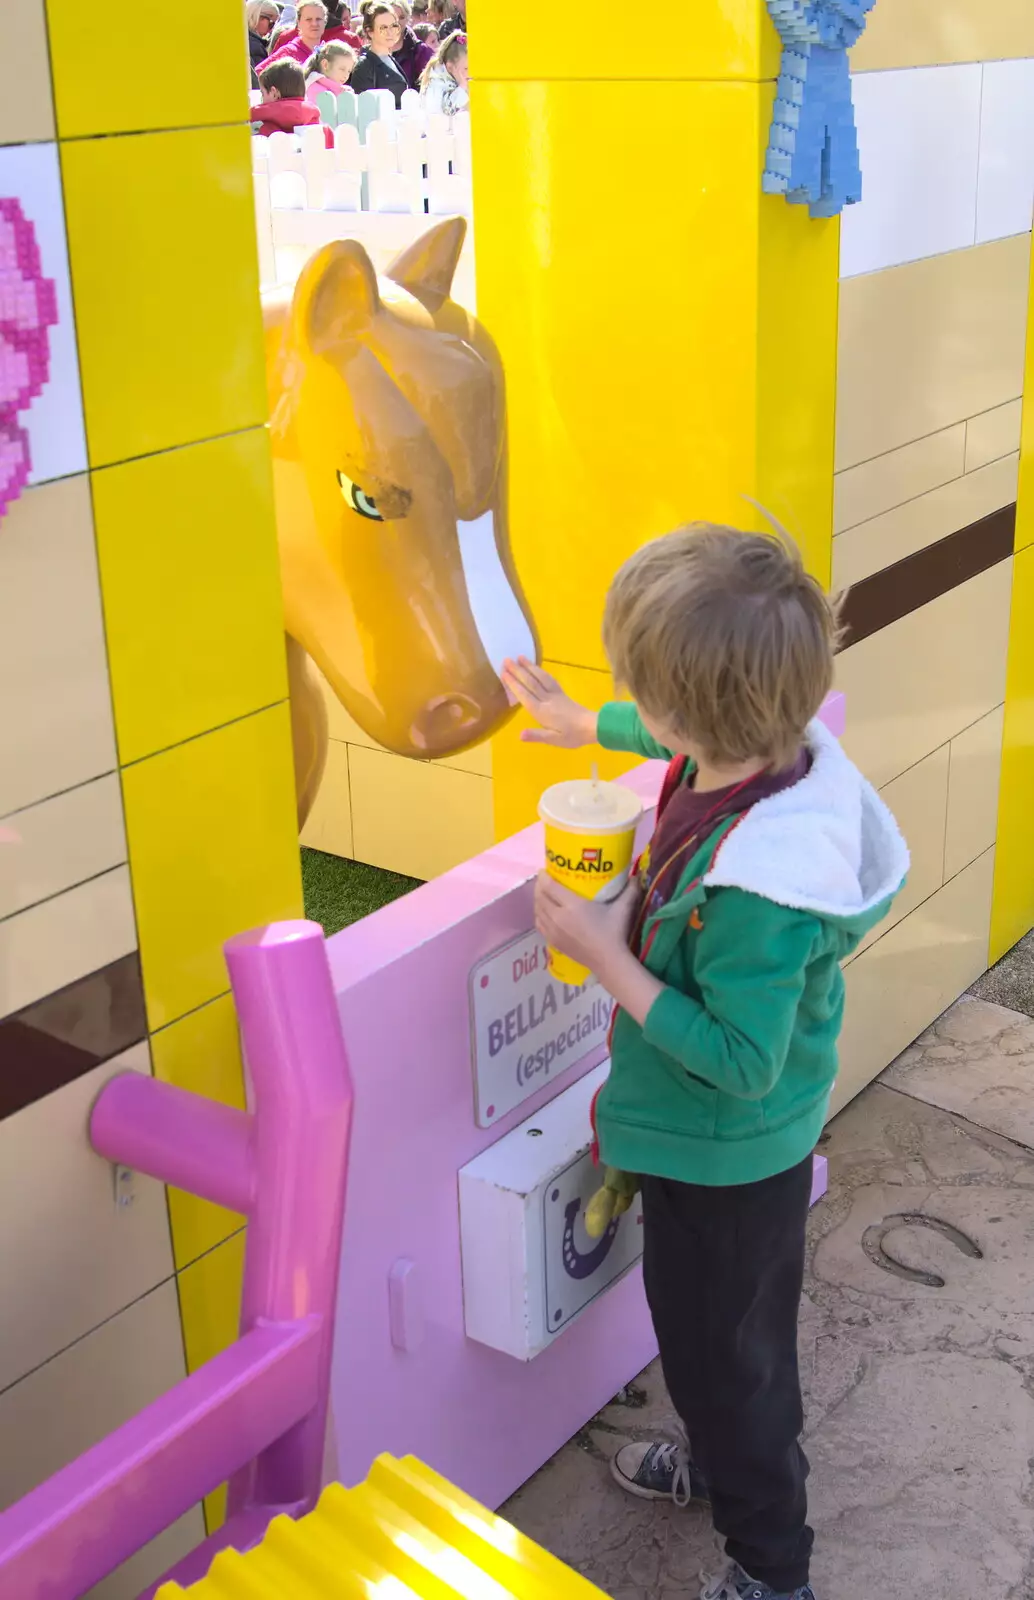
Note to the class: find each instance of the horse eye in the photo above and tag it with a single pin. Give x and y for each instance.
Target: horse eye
(358, 499)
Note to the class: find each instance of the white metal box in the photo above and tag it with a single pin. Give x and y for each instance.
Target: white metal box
(529, 1267)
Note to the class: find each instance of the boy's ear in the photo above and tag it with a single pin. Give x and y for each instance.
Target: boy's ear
(336, 297)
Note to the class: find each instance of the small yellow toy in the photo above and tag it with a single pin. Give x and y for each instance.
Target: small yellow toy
(404, 1531)
(615, 1197)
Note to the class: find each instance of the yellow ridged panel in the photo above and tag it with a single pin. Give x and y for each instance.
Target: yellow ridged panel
(730, 39)
(186, 544)
(161, 245)
(210, 1305)
(213, 849)
(1012, 909)
(405, 1531)
(201, 1052)
(90, 102)
(661, 368)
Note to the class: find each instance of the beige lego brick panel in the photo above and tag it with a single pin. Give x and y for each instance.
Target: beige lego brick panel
(415, 817)
(63, 1407)
(917, 33)
(27, 107)
(924, 720)
(902, 375)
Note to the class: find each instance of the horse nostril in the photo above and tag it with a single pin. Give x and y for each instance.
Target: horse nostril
(446, 722)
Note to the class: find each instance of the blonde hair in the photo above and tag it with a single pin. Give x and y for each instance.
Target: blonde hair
(723, 637)
(255, 10)
(449, 50)
(327, 52)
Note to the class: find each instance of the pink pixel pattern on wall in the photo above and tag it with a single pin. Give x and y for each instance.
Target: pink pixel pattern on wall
(28, 307)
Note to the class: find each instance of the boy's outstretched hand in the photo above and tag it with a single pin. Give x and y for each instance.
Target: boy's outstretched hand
(562, 721)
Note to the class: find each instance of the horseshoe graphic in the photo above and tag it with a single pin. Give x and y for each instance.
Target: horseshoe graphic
(873, 1237)
(577, 1265)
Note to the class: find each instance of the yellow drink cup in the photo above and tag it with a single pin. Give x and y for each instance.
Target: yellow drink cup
(590, 835)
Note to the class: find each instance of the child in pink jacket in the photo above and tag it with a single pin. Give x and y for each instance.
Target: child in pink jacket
(328, 70)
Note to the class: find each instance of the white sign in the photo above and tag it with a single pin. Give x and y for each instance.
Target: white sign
(527, 1026)
(579, 1268)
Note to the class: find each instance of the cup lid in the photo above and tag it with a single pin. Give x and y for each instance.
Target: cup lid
(590, 805)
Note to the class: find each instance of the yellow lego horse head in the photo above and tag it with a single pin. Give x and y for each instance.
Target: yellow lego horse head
(388, 427)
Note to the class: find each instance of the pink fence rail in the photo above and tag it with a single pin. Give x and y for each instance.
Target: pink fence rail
(257, 1413)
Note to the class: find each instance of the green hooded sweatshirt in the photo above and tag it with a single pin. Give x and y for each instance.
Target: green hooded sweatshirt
(729, 1080)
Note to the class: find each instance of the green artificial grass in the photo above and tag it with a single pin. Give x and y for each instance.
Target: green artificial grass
(339, 892)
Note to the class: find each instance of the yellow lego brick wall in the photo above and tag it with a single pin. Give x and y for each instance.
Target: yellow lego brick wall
(145, 752)
(163, 264)
(656, 371)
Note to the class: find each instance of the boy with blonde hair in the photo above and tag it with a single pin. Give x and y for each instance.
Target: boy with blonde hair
(771, 859)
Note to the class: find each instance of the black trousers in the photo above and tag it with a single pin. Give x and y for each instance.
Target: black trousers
(724, 1270)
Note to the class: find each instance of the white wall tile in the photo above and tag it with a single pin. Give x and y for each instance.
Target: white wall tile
(75, 1257)
(918, 133)
(1005, 185)
(70, 1403)
(29, 173)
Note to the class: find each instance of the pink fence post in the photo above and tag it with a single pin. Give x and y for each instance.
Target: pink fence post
(295, 1055)
(263, 1401)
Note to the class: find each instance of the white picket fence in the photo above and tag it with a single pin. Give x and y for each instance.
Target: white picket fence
(388, 173)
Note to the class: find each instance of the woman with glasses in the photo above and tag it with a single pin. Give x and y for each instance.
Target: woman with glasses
(376, 67)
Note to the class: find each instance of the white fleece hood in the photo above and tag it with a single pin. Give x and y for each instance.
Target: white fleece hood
(828, 844)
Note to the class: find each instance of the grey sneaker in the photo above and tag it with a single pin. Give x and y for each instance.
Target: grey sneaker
(733, 1584)
(659, 1471)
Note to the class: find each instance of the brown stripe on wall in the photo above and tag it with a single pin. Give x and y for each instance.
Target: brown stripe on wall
(70, 1032)
(887, 596)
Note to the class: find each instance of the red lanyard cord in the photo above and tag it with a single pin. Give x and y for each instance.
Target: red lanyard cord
(637, 926)
(687, 844)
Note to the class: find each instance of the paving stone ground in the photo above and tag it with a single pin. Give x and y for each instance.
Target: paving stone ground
(917, 1351)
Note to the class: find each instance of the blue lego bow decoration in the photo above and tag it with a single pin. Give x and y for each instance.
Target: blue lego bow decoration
(812, 154)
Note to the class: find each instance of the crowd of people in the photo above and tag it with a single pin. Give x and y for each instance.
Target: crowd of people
(299, 51)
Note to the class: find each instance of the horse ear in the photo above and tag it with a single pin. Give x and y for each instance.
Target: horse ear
(428, 267)
(336, 296)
